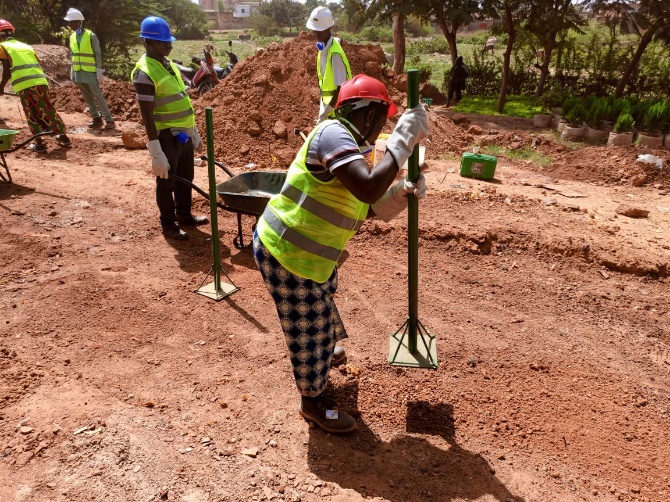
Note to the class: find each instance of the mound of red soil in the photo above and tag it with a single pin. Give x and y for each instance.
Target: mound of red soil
(120, 97)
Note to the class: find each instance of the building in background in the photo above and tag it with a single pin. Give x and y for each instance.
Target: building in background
(228, 14)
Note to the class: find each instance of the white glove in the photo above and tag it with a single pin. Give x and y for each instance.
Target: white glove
(100, 75)
(159, 162)
(325, 114)
(198, 147)
(394, 201)
(411, 129)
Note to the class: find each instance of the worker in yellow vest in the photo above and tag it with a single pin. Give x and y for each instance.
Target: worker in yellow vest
(87, 72)
(328, 194)
(20, 62)
(169, 120)
(332, 65)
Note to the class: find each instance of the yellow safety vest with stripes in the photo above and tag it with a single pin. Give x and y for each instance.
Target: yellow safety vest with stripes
(83, 57)
(172, 105)
(327, 79)
(306, 226)
(25, 70)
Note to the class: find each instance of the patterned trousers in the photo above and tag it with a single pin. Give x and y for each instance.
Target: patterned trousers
(40, 112)
(309, 319)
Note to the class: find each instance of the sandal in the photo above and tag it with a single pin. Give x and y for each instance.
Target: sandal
(34, 147)
(63, 140)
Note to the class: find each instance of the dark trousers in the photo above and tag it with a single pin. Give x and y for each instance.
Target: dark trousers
(173, 197)
(455, 88)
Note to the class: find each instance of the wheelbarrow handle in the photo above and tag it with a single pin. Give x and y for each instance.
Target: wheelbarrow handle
(21, 145)
(219, 164)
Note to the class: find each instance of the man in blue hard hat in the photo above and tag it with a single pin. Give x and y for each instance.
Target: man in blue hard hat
(169, 120)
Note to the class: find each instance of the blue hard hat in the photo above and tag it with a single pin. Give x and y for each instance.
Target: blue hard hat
(156, 28)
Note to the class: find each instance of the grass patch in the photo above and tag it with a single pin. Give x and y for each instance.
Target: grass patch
(526, 154)
(516, 106)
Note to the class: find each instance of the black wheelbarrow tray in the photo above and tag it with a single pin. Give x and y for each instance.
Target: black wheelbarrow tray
(6, 142)
(243, 194)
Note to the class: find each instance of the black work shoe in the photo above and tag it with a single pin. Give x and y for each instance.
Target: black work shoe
(192, 221)
(328, 418)
(110, 125)
(174, 232)
(96, 122)
(339, 356)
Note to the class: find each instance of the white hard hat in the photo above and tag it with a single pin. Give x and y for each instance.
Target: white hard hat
(320, 19)
(74, 15)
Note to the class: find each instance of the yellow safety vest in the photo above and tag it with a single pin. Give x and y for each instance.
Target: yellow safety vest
(83, 58)
(306, 226)
(327, 80)
(25, 70)
(173, 106)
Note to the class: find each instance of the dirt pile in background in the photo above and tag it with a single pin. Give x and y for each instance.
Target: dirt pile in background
(54, 60)
(120, 97)
(257, 108)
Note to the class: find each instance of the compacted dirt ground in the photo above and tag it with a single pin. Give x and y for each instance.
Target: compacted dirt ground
(550, 312)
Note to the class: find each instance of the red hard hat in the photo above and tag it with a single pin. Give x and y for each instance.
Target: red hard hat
(6, 26)
(366, 88)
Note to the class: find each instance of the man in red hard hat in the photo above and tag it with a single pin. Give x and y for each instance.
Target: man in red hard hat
(332, 65)
(328, 194)
(20, 62)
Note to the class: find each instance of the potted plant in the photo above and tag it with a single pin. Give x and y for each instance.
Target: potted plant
(595, 132)
(653, 122)
(622, 135)
(574, 130)
(568, 104)
(549, 100)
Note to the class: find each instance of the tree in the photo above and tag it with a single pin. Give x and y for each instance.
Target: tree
(451, 15)
(548, 21)
(512, 13)
(396, 11)
(285, 13)
(649, 19)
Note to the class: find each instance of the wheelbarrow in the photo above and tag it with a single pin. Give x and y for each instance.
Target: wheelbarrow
(6, 142)
(243, 194)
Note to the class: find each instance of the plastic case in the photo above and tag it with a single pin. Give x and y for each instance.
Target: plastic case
(478, 165)
(7, 138)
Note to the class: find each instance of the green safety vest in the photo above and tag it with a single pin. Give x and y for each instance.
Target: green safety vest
(83, 58)
(306, 226)
(25, 70)
(173, 107)
(327, 80)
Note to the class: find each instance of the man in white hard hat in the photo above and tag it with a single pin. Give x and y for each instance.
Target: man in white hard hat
(87, 71)
(332, 66)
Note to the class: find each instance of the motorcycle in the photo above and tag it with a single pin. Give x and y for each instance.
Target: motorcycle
(208, 75)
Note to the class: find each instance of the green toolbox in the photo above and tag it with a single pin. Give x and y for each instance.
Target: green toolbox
(478, 165)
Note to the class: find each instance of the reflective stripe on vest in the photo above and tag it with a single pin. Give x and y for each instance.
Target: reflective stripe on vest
(172, 105)
(327, 80)
(306, 226)
(25, 70)
(83, 57)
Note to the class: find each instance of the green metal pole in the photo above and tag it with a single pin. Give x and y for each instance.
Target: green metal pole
(212, 199)
(413, 222)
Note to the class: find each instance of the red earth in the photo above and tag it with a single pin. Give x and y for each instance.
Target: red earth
(550, 311)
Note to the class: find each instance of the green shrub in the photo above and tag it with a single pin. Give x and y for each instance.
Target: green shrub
(576, 115)
(264, 25)
(655, 116)
(595, 114)
(416, 28)
(425, 69)
(428, 46)
(379, 34)
(624, 123)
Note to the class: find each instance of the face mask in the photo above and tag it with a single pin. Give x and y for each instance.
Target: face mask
(80, 30)
(320, 46)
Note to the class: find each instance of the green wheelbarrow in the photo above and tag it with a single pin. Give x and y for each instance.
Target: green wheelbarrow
(6, 142)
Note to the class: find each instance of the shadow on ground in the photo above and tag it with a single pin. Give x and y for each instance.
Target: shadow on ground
(408, 468)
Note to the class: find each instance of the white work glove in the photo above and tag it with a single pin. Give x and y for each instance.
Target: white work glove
(394, 201)
(198, 146)
(100, 75)
(159, 162)
(325, 114)
(411, 129)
